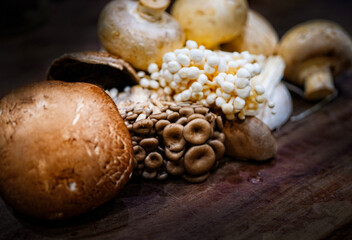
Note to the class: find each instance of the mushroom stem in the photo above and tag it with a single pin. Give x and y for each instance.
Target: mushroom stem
(152, 10)
(319, 84)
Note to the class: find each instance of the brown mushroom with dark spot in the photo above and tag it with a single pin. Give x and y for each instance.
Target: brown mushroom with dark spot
(149, 144)
(139, 153)
(314, 52)
(143, 127)
(64, 149)
(173, 137)
(198, 131)
(199, 160)
(249, 139)
(154, 160)
(173, 156)
(175, 168)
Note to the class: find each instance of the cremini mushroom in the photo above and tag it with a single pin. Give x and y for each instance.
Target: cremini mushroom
(199, 160)
(249, 139)
(197, 131)
(173, 137)
(140, 32)
(64, 149)
(314, 52)
(258, 37)
(209, 22)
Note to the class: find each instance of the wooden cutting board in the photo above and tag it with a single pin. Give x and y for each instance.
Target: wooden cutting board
(305, 192)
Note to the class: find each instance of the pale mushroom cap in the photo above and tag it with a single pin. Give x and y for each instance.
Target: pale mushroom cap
(250, 139)
(64, 149)
(258, 37)
(318, 39)
(209, 22)
(123, 32)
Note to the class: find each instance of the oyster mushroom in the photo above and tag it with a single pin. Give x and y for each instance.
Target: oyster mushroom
(140, 32)
(258, 37)
(209, 22)
(314, 52)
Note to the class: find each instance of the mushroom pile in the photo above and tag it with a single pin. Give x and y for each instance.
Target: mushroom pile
(176, 139)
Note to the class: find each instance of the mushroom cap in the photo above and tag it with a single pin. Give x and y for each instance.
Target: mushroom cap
(258, 37)
(139, 41)
(100, 68)
(64, 149)
(199, 160)
(319, 40)
(209, 22)
(173, 137)
(249, 139)
(197, 131)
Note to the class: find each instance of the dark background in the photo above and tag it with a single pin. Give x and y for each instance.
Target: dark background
(34, 32)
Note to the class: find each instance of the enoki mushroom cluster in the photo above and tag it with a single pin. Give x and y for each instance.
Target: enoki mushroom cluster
(177, 139)
(215, 79)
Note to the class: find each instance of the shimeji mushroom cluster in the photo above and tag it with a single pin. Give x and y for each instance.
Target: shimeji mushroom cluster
(170, 139)
(216, 79)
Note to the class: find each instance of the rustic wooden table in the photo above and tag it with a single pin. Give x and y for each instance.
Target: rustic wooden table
(305, 192)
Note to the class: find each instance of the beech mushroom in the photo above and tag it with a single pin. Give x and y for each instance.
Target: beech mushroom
(139, 153)
(249, 139)
(149, 144)
(199, 160)
(175, 168)
(140, 32)
(64, 149)
(154, 160)
(314, 52)
(197, 131)
(173, 137)
(173, 155)
(258, 37)
(209, 22)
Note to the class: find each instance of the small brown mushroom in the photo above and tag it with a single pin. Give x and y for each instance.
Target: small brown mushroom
(249, 139)
(195, 116)
(174, 156)
(159, 116)
(160, 125)
(149, 144)
(219, 123)
(314, 51)
(173, 137)
(143, 127)
(182, 121)
(186, 111)
(154, 160)
(139, 153)
(218, 147)
(175, 168)
(198, 131)
(199, 159)
(173, 117)
(195, 179)
(149, 174)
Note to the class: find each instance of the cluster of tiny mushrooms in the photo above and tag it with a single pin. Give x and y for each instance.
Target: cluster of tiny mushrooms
(208, 84)
(239, 81)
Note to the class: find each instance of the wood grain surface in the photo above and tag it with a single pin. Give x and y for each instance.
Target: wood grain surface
(305, 192)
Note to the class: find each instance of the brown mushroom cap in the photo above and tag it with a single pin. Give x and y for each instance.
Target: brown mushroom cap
(173, 137)
(197, 131)
(175, 168)
(64, 149)
(139, 153)
(199, 159)
(249, 139)
(218, 147)
(149, 144)
(196, 179)
(173, 156)
(154, 160)
(100, 68)
(258, 37)
(314, 51)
